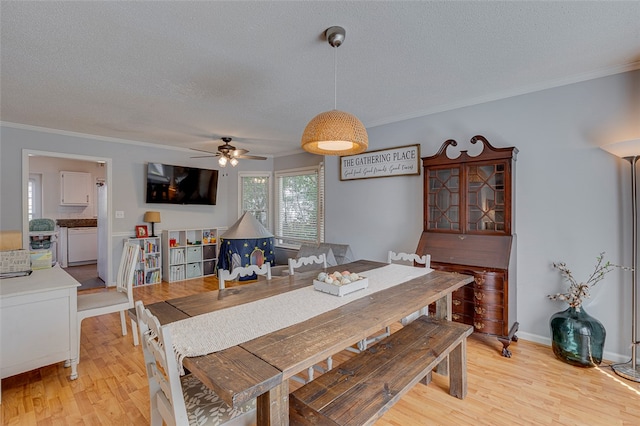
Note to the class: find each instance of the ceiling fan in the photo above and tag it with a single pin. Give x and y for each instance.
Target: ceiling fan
(228, 154)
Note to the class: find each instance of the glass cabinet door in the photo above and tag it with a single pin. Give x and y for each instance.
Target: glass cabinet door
(486, 197)
(444, 199)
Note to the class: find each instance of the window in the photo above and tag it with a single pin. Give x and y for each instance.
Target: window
(300, 206)
(255, 196)
(34, 196)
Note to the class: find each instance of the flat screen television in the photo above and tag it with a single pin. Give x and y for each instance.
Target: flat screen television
(181, 185)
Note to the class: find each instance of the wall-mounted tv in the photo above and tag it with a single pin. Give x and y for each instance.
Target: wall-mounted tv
(181, 185)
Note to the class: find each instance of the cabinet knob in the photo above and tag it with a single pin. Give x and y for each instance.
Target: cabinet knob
(479, 280)
(478, 325)
(478, 295)
(456, 317)
(456, 302)
(480, 310)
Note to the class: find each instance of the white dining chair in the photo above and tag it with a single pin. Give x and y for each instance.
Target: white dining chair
(294, 264)
(110, 301)
(243, 271)
(180, 400)
(412, 259)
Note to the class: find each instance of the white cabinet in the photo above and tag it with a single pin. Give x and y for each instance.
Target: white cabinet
(75, 188)
(149, 269)
(38, 321)
(190, 253)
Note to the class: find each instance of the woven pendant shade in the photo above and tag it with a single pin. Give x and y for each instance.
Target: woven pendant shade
(335, 133)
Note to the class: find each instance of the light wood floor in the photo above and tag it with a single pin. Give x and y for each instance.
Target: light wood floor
(532, 387)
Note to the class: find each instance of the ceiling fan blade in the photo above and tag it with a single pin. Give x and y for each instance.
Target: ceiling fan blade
(251, 157)
(205, 156)
(202, 150)
(238, 152)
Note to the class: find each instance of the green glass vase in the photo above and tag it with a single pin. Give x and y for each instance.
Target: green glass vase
(577, 337)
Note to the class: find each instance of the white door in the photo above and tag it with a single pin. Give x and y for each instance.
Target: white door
(101, 201)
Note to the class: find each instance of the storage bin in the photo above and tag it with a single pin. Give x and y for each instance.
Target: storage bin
(194, 270)
(15, 261)
(194, 254)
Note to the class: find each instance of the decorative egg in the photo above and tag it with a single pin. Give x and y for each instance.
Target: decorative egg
(345, 280)
(328, 280)
(346, 273)
(336, 275)
(322, 276)
(354, 277)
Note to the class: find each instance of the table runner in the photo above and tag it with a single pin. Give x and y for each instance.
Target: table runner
(222, 329)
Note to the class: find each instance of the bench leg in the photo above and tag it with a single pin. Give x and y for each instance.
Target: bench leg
(427, 379)
(458, 370)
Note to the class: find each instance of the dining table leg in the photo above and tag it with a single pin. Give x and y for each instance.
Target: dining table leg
(443, 311)
(272, 407)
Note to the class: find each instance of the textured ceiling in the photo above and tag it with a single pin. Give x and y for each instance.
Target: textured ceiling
(182, 73)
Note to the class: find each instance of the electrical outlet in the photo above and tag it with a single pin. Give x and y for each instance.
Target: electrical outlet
(119, 214)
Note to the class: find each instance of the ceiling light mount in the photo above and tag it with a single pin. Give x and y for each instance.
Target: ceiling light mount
(335, 35)
(335, 132)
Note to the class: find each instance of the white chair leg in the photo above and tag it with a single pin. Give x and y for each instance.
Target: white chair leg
(310, 373)
(134, 331)
(329, 363)
(79, 336)
(123, 322)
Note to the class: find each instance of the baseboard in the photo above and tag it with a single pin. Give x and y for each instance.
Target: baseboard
(607, 355)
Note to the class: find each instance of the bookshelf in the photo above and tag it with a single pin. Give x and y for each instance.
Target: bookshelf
(189, 253)
(149, 268)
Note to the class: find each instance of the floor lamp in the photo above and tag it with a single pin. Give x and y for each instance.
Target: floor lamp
(630, 151)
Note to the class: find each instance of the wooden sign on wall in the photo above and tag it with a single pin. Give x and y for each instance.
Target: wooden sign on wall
(399, 161)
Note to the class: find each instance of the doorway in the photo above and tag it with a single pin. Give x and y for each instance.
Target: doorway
(97, 212)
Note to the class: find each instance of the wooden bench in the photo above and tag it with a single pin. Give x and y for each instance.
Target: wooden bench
(363, 388)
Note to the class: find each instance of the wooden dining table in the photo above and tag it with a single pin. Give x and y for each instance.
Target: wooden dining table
(260, 368)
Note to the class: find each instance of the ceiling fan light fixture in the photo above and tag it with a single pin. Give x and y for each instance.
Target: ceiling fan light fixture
(233, 161)
(222, 161)
(335, 132)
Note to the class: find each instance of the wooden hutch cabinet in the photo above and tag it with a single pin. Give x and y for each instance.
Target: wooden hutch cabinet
(468, 228)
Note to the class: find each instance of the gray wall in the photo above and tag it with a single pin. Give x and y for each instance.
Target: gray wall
(49, 170)
(572, 198)
(128, 176)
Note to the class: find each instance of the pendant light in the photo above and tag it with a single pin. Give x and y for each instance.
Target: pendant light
(335, 132)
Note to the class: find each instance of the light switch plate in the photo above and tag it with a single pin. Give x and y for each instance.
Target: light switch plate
(119, 214)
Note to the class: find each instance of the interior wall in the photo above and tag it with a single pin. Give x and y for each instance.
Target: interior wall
(572, 201)
(49, 169)
(128, 183)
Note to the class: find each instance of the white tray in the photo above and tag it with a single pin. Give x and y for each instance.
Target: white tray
(341, 290)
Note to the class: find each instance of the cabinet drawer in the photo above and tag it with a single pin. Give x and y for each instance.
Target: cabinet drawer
(484, 298)
(479, 295)
(194, 254)
(489, 281)
(462, 306)
(464, 319)
(489, 327)
(490, 312)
